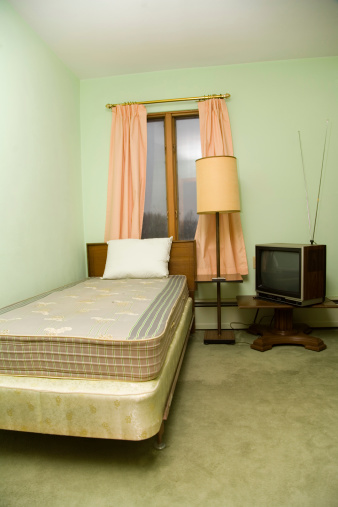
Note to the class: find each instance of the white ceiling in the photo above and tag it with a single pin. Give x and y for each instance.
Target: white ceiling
(98, 38)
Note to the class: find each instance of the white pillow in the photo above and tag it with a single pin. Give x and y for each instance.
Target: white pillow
(137, 258)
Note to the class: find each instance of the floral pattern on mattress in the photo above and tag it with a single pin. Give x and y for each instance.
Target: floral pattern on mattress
(92, 408)
(109, 329)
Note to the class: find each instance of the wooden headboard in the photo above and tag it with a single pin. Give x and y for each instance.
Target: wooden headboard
(182, 260)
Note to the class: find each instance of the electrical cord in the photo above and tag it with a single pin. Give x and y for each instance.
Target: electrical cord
(241, 329)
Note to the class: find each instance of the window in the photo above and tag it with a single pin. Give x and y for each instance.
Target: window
(155, 224)
(170, 202)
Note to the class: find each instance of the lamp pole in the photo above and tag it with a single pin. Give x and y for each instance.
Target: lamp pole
(218, 261)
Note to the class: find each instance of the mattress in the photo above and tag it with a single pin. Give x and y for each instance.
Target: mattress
(96, 329)
(92, 408)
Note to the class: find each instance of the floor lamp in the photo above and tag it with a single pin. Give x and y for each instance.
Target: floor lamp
(217, 192)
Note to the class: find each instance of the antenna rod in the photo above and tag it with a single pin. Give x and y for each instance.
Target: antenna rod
(320, 183)
(306, 192)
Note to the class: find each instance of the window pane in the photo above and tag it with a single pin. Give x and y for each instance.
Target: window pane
(188, 145)
(155, 207)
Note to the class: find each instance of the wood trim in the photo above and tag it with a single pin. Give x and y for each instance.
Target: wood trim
(193, 113)
(170, 162)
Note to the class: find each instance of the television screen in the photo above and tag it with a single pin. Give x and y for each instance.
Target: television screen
(280, 271)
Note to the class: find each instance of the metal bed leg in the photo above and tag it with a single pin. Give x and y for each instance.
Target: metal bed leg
(159, 444)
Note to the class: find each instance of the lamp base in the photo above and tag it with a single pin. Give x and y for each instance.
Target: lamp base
(227, 337)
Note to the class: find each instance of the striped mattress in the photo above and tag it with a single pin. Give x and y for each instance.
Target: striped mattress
(96, 329)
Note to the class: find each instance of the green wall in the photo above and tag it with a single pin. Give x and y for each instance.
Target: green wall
(43, 147)
(270, 102)
(41, 226)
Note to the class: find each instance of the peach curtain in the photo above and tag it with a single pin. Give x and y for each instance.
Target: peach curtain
(127, 172)
(216, 140)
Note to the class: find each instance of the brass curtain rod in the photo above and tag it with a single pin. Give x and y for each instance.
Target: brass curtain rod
(204, 97)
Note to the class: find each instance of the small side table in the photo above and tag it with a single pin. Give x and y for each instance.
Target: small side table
(283, 331)
(215, 336)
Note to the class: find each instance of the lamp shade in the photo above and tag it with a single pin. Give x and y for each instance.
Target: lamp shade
(217, 185)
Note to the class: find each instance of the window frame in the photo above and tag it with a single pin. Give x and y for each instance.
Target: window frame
(171, 162)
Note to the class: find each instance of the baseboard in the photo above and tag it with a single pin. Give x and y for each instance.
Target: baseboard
(236, 318)
(239, 326)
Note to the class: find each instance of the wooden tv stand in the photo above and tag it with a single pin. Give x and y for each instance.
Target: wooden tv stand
(283, 331)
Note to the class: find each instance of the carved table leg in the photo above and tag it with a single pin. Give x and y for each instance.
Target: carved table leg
(284, 332)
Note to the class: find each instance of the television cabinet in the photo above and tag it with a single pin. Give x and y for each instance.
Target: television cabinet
(283, 331)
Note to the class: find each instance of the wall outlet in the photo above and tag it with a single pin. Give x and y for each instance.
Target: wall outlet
(254, 262)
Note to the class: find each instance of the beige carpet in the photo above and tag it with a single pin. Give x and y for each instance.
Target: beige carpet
(246, 429)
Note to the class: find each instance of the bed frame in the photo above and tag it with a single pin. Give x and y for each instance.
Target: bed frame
(182, 262)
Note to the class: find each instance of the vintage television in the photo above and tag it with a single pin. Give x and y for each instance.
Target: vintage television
(291, 273)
